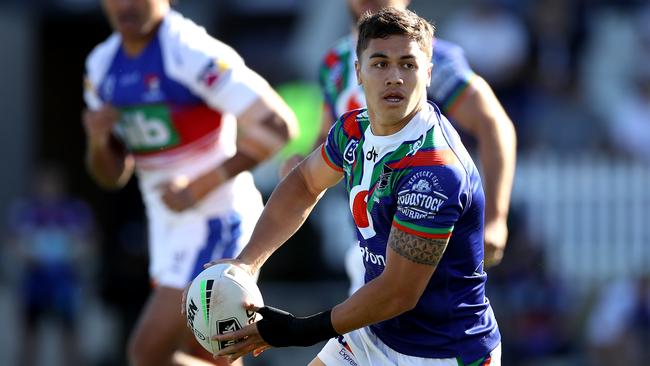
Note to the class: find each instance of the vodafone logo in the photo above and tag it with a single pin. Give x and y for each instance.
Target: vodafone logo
(359, 209)
(373, 258)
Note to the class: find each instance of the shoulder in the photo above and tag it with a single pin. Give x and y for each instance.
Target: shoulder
(185, 42)
(432, 151)
(447, 50)
(447, 55)
(450, 75)
(353, 123)
(100, 57)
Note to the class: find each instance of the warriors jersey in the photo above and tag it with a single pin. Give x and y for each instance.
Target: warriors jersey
(450, 76)
(420, 180)
(177, 99)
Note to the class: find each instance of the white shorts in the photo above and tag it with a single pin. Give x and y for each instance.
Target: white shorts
(179, 245)
(362, 348)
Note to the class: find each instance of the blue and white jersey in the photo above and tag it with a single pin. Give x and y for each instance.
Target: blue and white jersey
(420, 180)
(178, 99)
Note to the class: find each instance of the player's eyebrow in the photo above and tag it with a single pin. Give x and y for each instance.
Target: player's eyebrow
(381, 55)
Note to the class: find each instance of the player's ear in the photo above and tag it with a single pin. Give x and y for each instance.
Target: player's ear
(429, 70)
(357, 70)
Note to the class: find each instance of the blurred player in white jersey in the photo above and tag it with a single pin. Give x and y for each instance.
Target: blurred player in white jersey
(183, 111)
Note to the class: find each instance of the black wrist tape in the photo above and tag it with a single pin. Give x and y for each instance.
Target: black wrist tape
(281, 329)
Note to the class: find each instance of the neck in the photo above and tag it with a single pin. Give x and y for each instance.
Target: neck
(133, 46)
(385, 128)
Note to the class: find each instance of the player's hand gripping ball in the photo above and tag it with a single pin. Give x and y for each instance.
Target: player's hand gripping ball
(215, 303)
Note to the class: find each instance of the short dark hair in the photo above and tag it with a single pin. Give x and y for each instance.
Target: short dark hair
(391, 21)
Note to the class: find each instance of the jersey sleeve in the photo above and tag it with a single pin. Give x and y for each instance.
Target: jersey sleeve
(450, 76)
(97, 64)
(208, 67)
(332, 149)
(91, 97)
(429, 201)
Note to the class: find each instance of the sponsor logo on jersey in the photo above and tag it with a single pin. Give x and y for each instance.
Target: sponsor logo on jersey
(422, 186)
(347, 357)
(422, 197)
(213, 72)
(350, 151)
(152, 82)
(147, 128)
(152, 92)
(384, 178)
(416, 145)
(360, 214)
(372, 155)
(371, 257)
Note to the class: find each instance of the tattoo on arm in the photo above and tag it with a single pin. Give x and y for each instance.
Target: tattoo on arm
(417, 249)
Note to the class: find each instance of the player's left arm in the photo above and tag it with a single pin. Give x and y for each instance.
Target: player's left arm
(479, 112)
(265, 123)
(263, 129)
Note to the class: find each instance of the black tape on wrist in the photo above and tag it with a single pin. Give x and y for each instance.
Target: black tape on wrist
(282, 329)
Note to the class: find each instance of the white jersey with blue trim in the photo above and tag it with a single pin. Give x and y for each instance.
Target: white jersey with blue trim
(178, 100)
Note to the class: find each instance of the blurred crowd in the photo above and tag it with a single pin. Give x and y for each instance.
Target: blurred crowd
(574, 77)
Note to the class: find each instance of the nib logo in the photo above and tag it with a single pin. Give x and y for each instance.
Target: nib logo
(225, 326)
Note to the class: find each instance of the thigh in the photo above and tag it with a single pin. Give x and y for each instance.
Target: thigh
(161, 328)
(192, 243)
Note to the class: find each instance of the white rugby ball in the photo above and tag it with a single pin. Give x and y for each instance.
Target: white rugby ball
(215, 303)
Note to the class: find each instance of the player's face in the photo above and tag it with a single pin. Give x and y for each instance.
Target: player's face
(135, 19)
(359, 7)
(394, 73)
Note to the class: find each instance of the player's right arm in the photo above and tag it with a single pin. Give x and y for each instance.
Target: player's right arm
(107, 160)
(218, 75)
